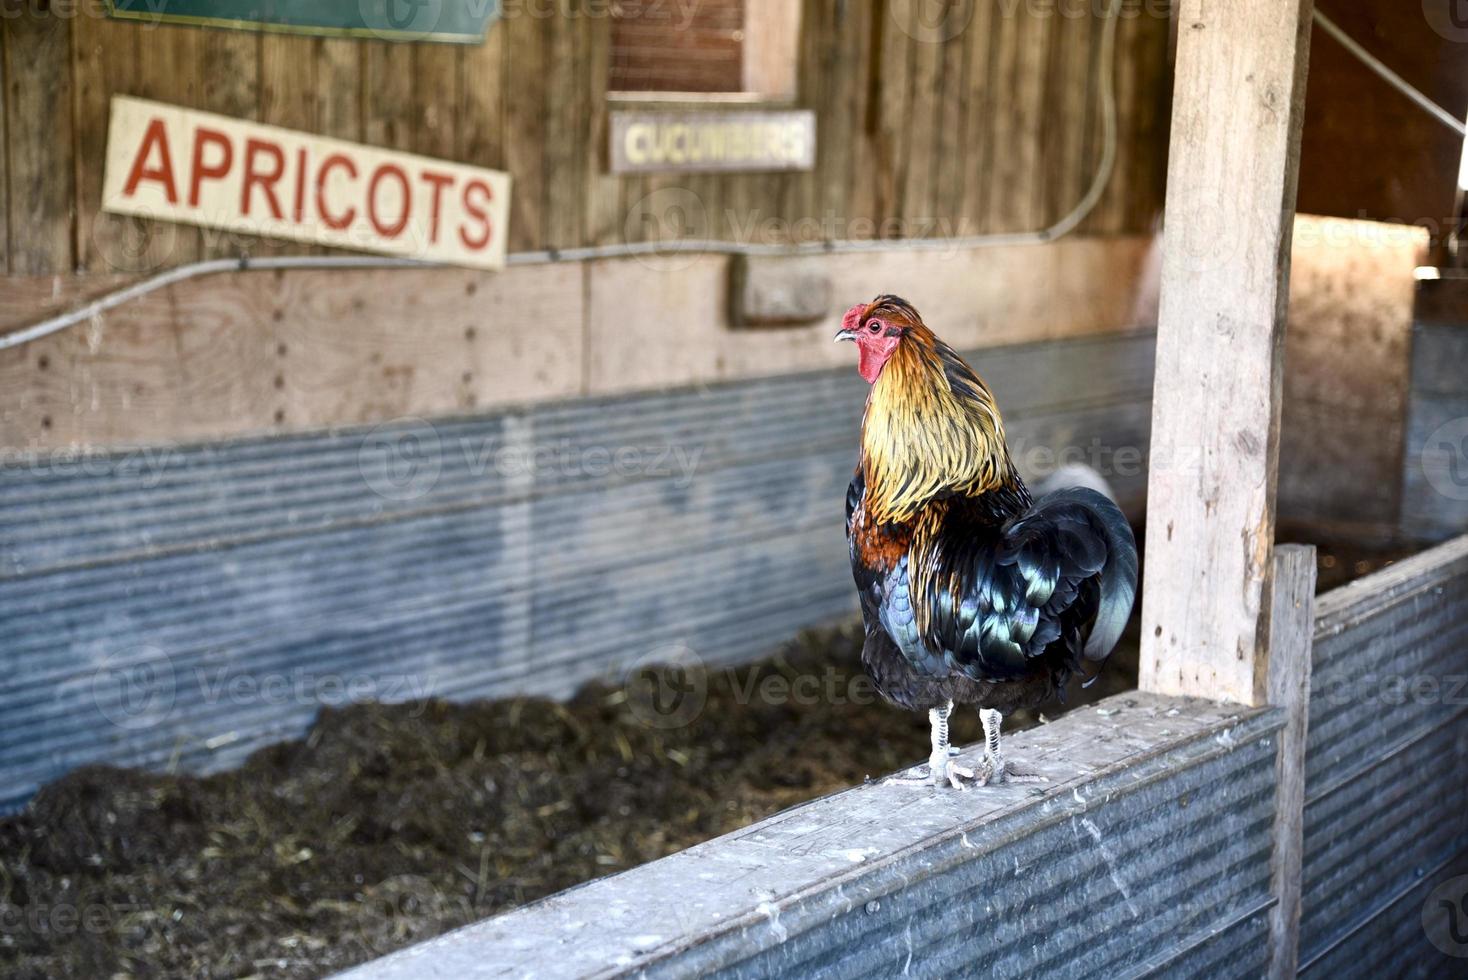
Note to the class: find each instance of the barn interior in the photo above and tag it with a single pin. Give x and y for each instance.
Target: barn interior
(348, 598)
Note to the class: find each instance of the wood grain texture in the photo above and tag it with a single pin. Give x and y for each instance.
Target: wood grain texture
(4, 162)
(38, 108)
(893, 73)
(1215, 425)
(566, 115)
(926, 102)
(104, 63)
(916, 121)
(1291, 633)
(258, 352)
(525, 44)
(231, 88)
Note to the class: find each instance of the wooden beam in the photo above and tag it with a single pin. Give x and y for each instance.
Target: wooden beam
(1291, 639)
(1232, 174)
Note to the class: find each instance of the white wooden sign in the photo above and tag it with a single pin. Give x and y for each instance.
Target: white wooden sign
(177, 164)
(727, 141)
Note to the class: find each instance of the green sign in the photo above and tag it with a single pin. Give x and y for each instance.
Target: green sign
(462, 21)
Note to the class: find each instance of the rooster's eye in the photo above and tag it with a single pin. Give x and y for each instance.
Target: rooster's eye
(874, 326)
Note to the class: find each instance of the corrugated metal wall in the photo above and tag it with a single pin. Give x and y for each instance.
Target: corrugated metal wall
(1386, 806)
(185, 606)
(1435, 471)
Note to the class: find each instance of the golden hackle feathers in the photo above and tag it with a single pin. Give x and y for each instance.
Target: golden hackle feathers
(931, 428)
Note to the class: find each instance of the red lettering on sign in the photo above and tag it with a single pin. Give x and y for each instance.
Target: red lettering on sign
(266, 181)
(478, 212)
(334, 222)
(155, 135)
(200, 170)
(299, 213)
(438, 182)
(396, 172)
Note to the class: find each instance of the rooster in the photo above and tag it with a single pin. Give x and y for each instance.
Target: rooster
(972, 592)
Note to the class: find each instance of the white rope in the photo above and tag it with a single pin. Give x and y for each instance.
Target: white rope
(1106, 83)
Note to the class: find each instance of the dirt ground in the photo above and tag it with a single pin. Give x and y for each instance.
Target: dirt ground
(390, 824)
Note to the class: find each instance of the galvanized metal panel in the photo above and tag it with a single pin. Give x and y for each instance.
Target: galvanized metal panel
(1391, 943)
(1435, 463)
(1387, 762)
(1147, 855)
(431, 553)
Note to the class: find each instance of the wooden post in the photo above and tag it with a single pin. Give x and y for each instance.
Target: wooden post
(1232, 173)
(1291, 632)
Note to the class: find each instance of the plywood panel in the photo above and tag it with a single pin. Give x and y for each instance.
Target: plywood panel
(261, 352)
(972, 298)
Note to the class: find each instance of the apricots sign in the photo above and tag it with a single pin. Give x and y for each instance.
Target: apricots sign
(175, 164)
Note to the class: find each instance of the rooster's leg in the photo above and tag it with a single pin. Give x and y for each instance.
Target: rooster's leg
(941, 768)
(995, 769)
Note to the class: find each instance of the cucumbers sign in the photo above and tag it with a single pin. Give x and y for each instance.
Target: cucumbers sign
(462, 21)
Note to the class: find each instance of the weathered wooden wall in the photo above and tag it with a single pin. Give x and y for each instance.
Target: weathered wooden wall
(264, 352)
(986, 123)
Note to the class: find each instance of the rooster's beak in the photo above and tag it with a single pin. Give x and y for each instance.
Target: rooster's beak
(845, 335)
